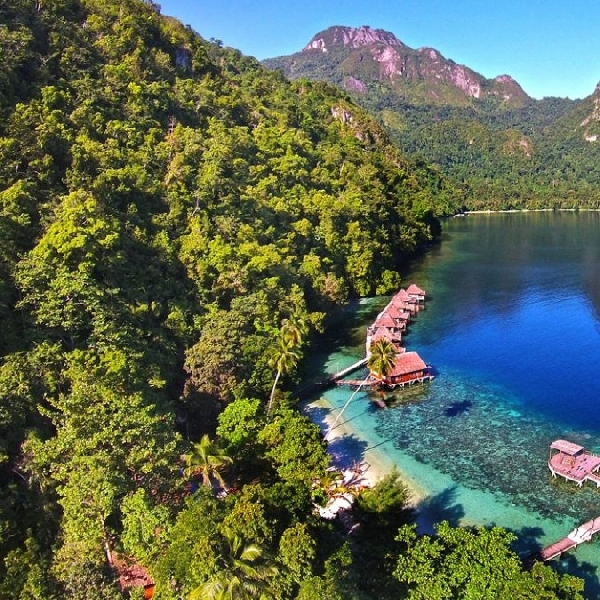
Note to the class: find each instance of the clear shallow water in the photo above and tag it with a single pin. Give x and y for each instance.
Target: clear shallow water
(512, 329)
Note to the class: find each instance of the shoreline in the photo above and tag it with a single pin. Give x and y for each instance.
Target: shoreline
(378, 464)
(489, 211)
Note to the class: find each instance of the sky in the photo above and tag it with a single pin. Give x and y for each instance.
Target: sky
(550, 47)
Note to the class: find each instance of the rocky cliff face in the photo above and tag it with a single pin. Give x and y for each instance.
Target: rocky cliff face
(351, 38)
(359, 58)
(591, 122)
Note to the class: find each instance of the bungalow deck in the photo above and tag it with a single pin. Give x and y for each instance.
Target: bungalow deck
(573, 463)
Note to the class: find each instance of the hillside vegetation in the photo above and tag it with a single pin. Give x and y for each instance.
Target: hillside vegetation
(503, 148)
(177, 222)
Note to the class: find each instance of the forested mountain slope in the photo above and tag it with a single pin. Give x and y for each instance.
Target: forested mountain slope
(176, 222)
(509, 150)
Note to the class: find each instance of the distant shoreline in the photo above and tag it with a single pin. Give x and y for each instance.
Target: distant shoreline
(522, 210)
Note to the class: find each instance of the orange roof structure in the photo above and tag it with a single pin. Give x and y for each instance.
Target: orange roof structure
(566, 447)
(385, 320)
(386, 334)
(414, 290)
(406, 363)
(403, 296)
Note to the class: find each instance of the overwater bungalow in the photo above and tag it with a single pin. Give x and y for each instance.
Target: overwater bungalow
(409, 368)
(385, 334)
(399, 316)
(410, 302)
(385, 321)
(573, 462)
(416, 292)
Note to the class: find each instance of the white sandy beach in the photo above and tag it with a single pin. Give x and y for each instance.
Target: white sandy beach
(375, 464)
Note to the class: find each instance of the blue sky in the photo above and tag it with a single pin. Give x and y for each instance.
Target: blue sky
(551, 47)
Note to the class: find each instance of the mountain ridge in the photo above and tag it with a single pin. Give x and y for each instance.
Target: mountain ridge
(363, 57)
(508, 149)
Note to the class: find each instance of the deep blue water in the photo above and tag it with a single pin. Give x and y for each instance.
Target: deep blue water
(512, 331)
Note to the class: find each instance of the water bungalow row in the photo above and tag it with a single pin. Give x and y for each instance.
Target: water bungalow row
(391, 323)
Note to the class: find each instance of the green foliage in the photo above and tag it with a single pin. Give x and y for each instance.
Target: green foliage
(294, 447)
(172, 217)
(382, 357)
(501, 150)
(463, 563)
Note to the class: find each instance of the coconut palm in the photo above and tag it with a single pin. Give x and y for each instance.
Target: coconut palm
(381, 361)
(382, 358)
(207, 460)
(285, 355)
(284, 358)
(246, 573)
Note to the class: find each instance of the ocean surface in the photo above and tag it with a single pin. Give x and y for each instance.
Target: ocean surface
(511, 329)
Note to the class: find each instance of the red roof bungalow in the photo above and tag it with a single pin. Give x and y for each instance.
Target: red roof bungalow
(409, 369)
(409, 301)
(386, 334)
(416, 292)
(384, 320)
(399, 316)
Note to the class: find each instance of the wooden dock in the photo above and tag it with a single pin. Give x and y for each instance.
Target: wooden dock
(579, 535)
(358, 382)
(332, 379)
(340, 374)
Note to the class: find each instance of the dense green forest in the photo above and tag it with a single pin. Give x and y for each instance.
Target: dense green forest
(178, 225)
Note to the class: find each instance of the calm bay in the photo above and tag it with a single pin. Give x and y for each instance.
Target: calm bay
(512, 331)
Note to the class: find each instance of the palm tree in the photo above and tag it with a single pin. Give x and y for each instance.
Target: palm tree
(245, 574)
(284, 360)
(293, 330)
(208, 460)
(382, 358)
(381, 361)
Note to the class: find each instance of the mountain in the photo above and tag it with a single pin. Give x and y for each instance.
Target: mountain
(361, 59)
(505, 149)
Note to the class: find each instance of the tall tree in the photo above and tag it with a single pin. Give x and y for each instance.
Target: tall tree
(382, 357)
(381, 360)
(245, 573)
(285, 358)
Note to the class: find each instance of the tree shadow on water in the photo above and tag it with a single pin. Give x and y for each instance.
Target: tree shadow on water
(318, 415)
(569, 563)
(528, 543)
(347, 451)
(437, 508)
(458, 408)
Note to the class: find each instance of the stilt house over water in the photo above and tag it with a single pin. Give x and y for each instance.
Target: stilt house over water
(390, 323)
(573, 462)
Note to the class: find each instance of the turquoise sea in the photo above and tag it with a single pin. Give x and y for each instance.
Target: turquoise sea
(512, 331)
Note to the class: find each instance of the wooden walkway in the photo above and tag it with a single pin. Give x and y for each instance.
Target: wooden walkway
(340, 374)
(580, 534)
(332, 379)
(358, 382)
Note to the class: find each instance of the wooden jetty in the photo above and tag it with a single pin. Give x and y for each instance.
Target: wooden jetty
(332, 379)
(358, 382)
(340, 374)
(579, 535)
